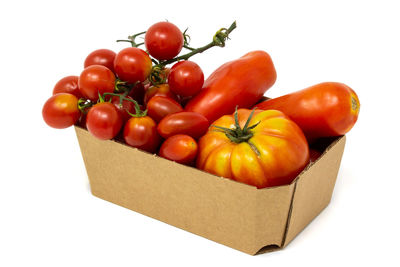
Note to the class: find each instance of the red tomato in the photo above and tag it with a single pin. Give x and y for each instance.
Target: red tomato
(104, 57)
(160, 106)
(323, 110)
(141, 132)
(61, 110)
(69, 85)
(96, 79)
(189, 123)
(180, 148)
(124, 107)
(138, 93)
(186, 78)
(132, 65)
(159, 90)
(104, 121)
(241, 83)
(163, 40)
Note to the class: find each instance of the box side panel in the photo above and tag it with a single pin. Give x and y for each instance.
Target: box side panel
(314, 188)
(219, 209)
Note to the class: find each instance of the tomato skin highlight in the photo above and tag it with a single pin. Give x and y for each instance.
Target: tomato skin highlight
(241, 82)
(159, 90)
(161, 106)
(68, 84)
(61, 111)
(104, 121)
(104, 57)
(276, 152)
(186, 78)
(189, 123)
(141, 132)
(179, 148)
(132, 65)
(322, 110)
(163, 40)
(95, 80)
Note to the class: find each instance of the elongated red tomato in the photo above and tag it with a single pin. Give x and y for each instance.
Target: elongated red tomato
(104, 121)
(69, 85)
(132, 65)
(267, 149)
(61, 110)
(95, 80)
(241, 83)
(323, 110)
(160, 106)
(180, 148)
(104, 57)
(189, 123)
(141, 132)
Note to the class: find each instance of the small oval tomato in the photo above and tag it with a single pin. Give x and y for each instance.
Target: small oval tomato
(160, 106)
(138, 93)
(132, 65)
(104, 57)
(123, 107)
(186, 78)
(61, 110)
(95, 80)
(141, 132)
(68, 85)
(163, 40)
(104, 121)
(189, 123)
(159, 90)
(180, 148)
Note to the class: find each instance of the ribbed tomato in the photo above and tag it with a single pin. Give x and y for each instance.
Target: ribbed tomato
(262, 149)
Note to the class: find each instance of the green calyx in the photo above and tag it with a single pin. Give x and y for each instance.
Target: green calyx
(237, 134)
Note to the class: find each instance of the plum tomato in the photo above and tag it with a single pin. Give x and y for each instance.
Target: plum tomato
(69, 85)
(160, 106)
(163, 40)
(61, 111)
(141, 132)
(132, 65)
(95, 80)
(104, 121)
(189, 123)
(159, 90)
(180, 148)
(186, 78)
(104, 57)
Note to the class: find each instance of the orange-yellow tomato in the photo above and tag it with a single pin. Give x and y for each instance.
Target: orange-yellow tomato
(271, 153)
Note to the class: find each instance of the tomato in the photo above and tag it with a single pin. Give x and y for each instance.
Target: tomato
(163, 40)
(159, 90)
(104, 121)
(95, 80)
(180, 148)
(189, 123)
(138, 93)
(322, 110)
(61, 110)
(241, 83)
(270, 150)
(125, 106)
(141, 132)
(69, 85)
(104, 57)
(160, 106)
(132, 65)
(186, 78)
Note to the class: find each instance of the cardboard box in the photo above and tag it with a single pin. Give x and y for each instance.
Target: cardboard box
(228, 212)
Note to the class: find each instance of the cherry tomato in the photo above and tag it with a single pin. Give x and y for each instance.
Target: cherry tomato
(104, 121)
(104, 57)
(180, 148)
(132, 65)
(163, 40)
(186, 78)
(160, 106)
(69, 85)
(138, 93)
(96, 79)
(61, 110)
(189, 123)
(159, 90)
(141, 132)
(124, 107)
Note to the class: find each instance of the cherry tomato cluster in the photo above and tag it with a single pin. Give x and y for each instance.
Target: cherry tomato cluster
(134, 96)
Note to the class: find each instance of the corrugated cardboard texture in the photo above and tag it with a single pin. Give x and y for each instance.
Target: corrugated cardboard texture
(228, 212)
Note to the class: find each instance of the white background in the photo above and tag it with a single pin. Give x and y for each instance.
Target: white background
(49, 217)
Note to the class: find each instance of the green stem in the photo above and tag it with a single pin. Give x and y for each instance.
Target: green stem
(131, 39)
(138, 111)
